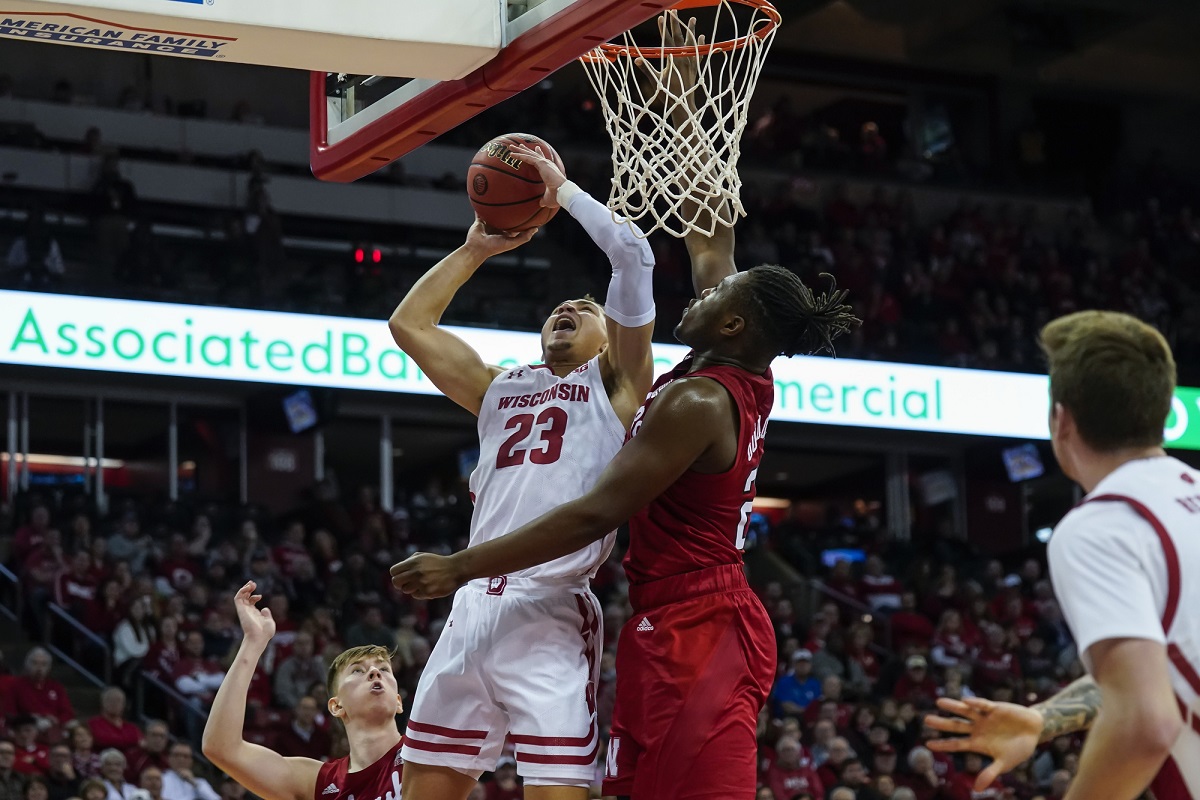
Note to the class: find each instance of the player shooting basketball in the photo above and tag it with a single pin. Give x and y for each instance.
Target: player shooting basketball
(696, 661)
(362, 694)
(520, 650)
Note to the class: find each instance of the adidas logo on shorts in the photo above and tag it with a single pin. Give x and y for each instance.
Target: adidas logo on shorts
(645, 625)
(330, 789)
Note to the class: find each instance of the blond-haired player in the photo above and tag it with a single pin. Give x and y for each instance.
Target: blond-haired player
(362, 694)
(1126, 568)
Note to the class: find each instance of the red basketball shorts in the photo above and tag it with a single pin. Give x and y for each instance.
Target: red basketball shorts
(695, 664)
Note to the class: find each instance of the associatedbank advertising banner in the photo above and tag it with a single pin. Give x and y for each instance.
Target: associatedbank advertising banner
(124, 336)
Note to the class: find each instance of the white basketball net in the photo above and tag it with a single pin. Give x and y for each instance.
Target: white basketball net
(675, 146)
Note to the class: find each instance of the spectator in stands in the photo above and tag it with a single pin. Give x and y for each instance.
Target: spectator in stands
(131, 641)
(39, 695)
(35, 788)
(916, 685)
(83, 753)
(10, 780)
(164, 653)
(62, 781)
(151, 781)
(830, 704)
(33, 758)
(504, 785)
(842, 793)
(797, 689)
(75, 589)
(996, 665)
(38, 575)
(197, 677)
(370, 630)
(824, 734)
(110, 728)
(30, 535)
(298, 671)
(792, 772)
(113, 209)
(922, 778)
(180, 782)
(840, 752)
(130, 543)
(35, 259)
(112, 773)
(151, 751)
(877, 588)
(303, 737)
(93, 789)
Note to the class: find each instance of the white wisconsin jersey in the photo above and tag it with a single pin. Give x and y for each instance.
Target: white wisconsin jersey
(543, 440)
(1126, 564)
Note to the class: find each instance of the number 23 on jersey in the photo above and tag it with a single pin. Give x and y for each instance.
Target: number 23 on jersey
(538, 438)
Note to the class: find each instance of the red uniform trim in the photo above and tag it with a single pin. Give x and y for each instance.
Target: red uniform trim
(1169, 783)
(1176, 656)
(542, 758)
(1172, 557)
(553, 741)
(438, 747)
(449, 733)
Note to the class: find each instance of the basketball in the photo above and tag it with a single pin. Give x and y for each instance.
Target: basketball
(505, 190)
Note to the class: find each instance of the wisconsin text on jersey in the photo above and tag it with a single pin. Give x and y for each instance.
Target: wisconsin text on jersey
(570, 392)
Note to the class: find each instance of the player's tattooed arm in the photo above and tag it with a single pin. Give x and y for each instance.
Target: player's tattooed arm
(1071, 710)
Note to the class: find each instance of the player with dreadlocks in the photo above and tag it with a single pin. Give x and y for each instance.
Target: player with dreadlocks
(696, 661)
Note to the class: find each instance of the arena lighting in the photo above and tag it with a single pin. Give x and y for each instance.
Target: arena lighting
(306, 350)
(1043, 534)
(64, 461)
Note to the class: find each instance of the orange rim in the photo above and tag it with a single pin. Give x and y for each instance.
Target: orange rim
(771, 19)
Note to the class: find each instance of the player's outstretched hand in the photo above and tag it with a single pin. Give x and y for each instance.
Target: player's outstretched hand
(491, 242)
(551, 175)
(426, 576)
(1006, 732)
(257, 623)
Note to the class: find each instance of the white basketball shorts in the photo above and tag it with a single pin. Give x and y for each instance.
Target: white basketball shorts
(518, 661)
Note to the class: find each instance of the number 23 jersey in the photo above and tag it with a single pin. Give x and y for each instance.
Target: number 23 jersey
(543, 441)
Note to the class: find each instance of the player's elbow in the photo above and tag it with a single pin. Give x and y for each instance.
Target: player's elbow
(215, 746)
(404, 327)
(1156, 733)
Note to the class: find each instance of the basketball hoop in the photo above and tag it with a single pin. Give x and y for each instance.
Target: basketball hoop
(676, 113)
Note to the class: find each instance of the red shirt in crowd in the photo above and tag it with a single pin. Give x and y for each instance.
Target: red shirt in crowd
(996, 667)
(106, 733)
(840, 718)
(139, 758)
(923, 790)
(788, 782)
(32, 760)
(922, 693)
(910, 629)
(181, 573)
(75, 593)
(46, 698)
(291, 742)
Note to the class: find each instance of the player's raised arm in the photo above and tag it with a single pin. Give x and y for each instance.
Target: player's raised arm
(711, 256)
(264, 772)
(629, 308)
(453, 365)
(682, 425)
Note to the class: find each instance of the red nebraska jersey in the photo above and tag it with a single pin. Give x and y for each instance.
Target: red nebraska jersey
(380, 781)
(700, 521)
